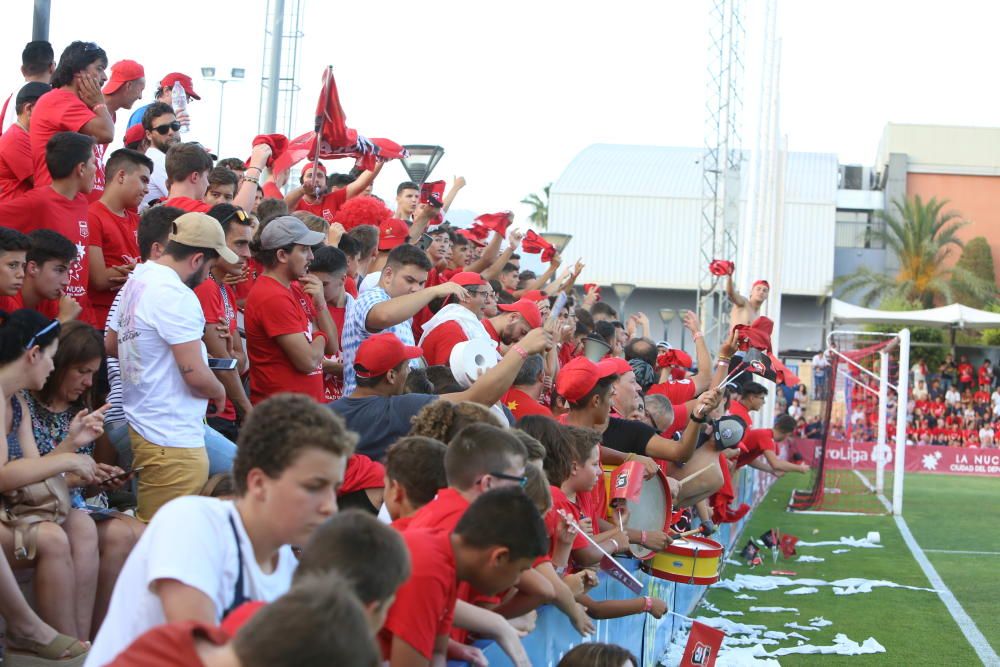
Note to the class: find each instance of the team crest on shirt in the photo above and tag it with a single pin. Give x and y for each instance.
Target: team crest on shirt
(327, 215)
(85, 231)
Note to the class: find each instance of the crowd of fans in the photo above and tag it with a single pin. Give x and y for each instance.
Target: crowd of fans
(200, 373)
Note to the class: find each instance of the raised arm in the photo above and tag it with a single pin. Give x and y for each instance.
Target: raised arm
(389, 313)
(496, 268)
(247, 191)
(703, 379)
(731, 292)
(449, 196)
(361, 183)
(495, 382)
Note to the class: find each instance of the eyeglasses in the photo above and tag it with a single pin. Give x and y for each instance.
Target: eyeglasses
(479, 292)
(520, 479)
(166, 127)
(239, 214)
(54, 324)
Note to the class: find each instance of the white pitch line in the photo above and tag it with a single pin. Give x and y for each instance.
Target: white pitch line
(957, 551)
(975, 638)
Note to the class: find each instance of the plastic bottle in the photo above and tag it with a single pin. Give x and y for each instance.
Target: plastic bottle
(178, 100)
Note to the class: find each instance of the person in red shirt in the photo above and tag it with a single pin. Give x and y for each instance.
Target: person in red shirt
(293, 630)
(966, 374)
(329, 266)
(17, 170)
(75, 104)
(414, 473)
(46, 277)
(222, 338)
(313, 194)
(680, 391)
(763, 442)
(188, 166)
(114, 227)
(495, 541)
(458, 321)
(286, 350)
(986, 375)
(62, 206)
(522, 398)
(13, 250)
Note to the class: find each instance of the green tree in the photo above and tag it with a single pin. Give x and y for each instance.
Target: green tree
(977, 259)
(540, 208)
(922, 238)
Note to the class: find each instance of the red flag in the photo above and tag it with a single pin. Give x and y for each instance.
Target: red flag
(756, 335)
(587, 287)
(703, 646)
(674, 357)
(498, 222)
(721, 511)
(721, 267)
(330, 120)
(533, 244)
(298, 149)
(277, 142)
(787, 545)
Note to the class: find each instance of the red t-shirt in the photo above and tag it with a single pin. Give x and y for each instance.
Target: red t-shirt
(521, 405)
(561, 502)
(439, 342)
(965, 372)
(442, 513)
(490, 330)
(680, 421)
(272, 310)
(253, 272)
(118, 237)
(984, 374)
(402, 523)
(47, 307)
(678, 391)
(44, 208)
(188, 204)
(16, 168)
(58, 110)
(170, 645)
(362, 473)
(327, 207)
(425, 603)
(758, 441)
(218, 302)
(351, 286)
(333, 385)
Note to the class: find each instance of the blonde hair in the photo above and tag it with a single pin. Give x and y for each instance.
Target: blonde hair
(313, 222)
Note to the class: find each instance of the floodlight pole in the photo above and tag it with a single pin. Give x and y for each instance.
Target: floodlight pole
(902, 399)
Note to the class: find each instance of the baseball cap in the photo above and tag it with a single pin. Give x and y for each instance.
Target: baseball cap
(527, 309)
(392, 232)
(122, 72)
(308, 165)
(135, 133)
(31, 91)
(467, 279)
(577, 378)
(185, 81)
(617, 365)
(472, 238)
(380, 353)
(534, 295)
(200, 230)
(286, 230)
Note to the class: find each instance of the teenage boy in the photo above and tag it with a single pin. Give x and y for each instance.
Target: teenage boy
(188, 166)
(14, 247)
(414, 473)
(113, 249)
(286, 349)
(218, 302)
(292, 631)
(201, 556)
(222, 186)
(764, 442)
(17, 172)
(46, 276)
(62, 205)
(327, 203)
(329, 266)
(494, 542)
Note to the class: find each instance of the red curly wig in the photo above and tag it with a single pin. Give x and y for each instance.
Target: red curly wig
(359, 211)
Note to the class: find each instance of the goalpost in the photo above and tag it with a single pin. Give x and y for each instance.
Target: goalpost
(864, 368)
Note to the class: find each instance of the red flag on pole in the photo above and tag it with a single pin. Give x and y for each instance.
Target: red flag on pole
(703, 646)
(331, 124)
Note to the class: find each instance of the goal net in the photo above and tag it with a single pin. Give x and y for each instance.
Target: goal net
(862, 426)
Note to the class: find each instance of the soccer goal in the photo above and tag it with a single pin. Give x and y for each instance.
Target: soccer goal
(857, 462)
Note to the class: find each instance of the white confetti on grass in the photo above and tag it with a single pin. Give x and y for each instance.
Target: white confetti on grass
(840, 551)
(851, 541)
(810, 559)
(802, 590)
(796, 626)
(731, 613)
(773, 610)
(819, 622)
(841, 646)
(744, 596)
(730, 561)
(849, 586)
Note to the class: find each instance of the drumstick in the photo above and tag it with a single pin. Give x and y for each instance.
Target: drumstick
(682, 482)
(687, 533)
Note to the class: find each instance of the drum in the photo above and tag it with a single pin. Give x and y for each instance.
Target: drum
(649, 501)
(689, 560)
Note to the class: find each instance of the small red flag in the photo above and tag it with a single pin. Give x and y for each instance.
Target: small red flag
(703, 646)
(498, 222)
(787, 545)
(330, 118)
(533, 244)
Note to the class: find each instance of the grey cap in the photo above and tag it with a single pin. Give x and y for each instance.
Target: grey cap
(286, 230)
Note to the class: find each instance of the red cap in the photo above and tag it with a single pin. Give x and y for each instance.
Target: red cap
(577, 378)
(381, 353)
(761, 282)
(467, 279)
(534, 295)
(527, 309)
(617, 365)
(169, 80)
(308, 165)
(122, 72)
(134, 134)
(472, 237)
(392, 233)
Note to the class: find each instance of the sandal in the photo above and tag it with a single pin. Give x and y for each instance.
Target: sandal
(29, 653)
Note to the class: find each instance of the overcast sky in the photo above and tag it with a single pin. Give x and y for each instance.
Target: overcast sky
(515, 90)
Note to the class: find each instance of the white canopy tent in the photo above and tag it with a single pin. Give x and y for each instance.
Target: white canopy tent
(954, 316)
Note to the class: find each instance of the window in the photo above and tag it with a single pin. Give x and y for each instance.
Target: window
(857, 229)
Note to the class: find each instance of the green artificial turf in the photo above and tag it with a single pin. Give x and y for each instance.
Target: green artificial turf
(943, 512)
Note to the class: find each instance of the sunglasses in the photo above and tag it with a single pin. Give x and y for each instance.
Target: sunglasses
(520, 479)
(54, 324)
(239, 214)
(166, 127)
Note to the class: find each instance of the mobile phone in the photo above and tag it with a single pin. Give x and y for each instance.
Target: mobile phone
(424, 242)
(123, 475)
(222, 364)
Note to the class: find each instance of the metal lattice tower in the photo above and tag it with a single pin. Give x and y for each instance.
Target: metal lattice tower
(279, 72)
(721, 162)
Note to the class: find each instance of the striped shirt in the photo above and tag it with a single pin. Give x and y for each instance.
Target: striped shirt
(355, 332)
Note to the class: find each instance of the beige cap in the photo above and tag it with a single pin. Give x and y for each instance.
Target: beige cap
(199, 230)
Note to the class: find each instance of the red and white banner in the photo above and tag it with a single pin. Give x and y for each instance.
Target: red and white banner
(919, 458)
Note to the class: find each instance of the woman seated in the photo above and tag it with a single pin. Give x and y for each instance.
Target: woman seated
(69, 391)
(28, 342)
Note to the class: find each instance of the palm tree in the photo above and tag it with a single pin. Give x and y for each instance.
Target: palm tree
(921, 237)
(540, 215)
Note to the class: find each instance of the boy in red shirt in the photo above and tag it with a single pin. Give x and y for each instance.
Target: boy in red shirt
(17, 171)
(329, 266)
(62, 206)
(763, 442)
(222, 186)
(13, 247)
(46, 276)
(188, 166)
(114, 227)
(286, 350)
(497, 539)
(414, 473)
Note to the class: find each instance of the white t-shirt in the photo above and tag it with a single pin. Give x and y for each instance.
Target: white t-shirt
(156, 311)
(995, 399)
(952, 397)
(191, 540)
(370, 281)
(157, 179)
